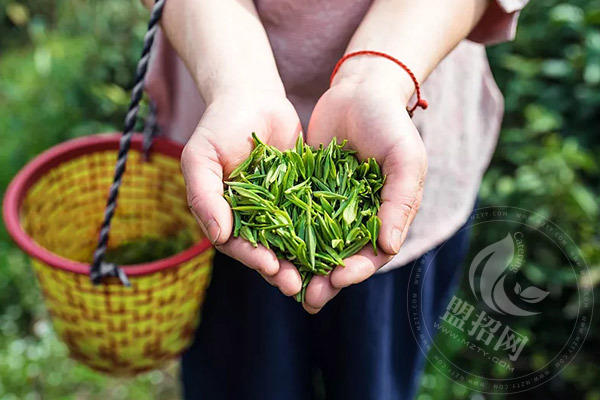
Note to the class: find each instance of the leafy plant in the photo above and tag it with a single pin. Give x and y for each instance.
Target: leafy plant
(547, 161)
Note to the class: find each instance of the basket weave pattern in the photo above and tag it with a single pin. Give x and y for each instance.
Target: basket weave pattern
(109, 327)
(121, 330)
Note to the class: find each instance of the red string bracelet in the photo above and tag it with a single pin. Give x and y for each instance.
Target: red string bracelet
(420, 101)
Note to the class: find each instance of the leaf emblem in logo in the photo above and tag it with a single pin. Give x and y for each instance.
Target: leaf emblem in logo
(498, 257)
(531, 294)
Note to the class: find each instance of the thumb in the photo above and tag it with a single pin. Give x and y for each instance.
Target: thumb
(406, 168)
(203, 176)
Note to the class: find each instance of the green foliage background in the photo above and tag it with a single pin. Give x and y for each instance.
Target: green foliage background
(66, 66)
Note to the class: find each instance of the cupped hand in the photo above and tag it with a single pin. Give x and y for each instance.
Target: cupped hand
(221, 141)
(373, 118)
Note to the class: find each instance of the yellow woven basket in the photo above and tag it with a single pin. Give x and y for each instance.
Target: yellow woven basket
(53, 208)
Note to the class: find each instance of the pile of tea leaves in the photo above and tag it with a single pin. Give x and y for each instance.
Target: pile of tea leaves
(313, 207)
(148, 249)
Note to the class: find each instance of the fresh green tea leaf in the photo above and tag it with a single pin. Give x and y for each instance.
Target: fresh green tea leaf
(307, 205)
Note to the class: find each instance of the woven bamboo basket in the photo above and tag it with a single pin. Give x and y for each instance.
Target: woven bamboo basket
(53, 209)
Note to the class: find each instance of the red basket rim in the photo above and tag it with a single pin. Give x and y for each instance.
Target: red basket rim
(24, 180)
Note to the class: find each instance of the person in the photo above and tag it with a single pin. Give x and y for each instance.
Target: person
(222, 69)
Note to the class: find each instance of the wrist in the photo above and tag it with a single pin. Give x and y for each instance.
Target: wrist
(214, 91)
(246, 97)
(375, 72)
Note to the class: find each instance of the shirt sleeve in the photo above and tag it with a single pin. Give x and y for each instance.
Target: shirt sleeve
(499, 22)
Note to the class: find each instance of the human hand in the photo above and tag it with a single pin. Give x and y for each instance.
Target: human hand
(370, 114)
(221, 141)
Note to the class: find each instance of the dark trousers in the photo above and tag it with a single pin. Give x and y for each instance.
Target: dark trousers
(255, 343)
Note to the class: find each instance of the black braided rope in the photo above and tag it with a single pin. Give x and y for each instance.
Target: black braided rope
(99, 269)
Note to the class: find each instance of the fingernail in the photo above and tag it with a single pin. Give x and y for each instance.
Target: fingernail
(213, 230)
(310, 309)
(395, 240)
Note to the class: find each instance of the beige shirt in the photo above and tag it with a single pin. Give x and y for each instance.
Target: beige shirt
(460, 128)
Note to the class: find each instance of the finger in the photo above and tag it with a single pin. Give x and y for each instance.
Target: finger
(415, 210)
(310, 310)
(284, 135)
(287, 279)
(258, 258)
(203, 176)
(358, 267)
(405, 166)
(318, 292)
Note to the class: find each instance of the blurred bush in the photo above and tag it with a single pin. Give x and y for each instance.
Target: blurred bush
(547, 161)
(65, 71)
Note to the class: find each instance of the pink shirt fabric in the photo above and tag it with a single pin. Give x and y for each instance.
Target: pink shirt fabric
(460, 128)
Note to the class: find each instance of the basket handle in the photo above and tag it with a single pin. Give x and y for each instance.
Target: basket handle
(99, 268)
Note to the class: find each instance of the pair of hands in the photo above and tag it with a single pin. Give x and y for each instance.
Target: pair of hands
(370, 116)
